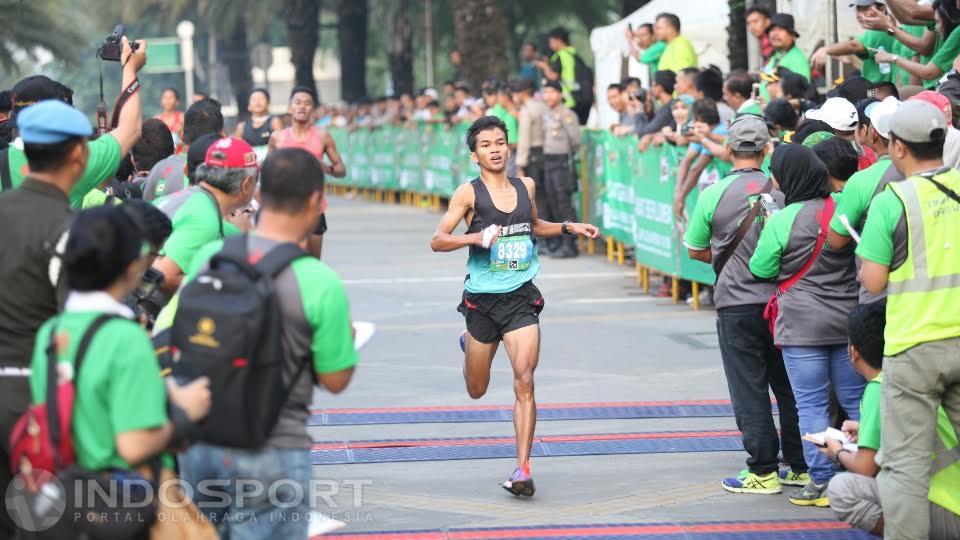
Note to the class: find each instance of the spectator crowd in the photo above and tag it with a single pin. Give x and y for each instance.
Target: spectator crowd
(830, 218)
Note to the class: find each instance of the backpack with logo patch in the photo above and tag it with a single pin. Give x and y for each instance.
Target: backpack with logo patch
(228, 327)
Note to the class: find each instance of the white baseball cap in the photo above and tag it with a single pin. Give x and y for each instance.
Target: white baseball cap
(837, 112)
(881, 114)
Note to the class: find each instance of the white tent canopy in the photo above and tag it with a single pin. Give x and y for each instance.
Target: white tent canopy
(704, 22)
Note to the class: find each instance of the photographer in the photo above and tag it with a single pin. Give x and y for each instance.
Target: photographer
(147, 299)
(106, 151)
(630, 121)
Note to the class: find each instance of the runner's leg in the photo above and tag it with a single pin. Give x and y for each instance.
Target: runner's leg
(478, 357)
(523, 348)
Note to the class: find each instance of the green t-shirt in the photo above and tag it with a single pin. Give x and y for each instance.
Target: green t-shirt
(794, 60)
(508, 119)
(876, 242)
(869, 434)
(944, 54)
(651, 57)
(750, 107)
(875, 39)
(916, 30)
(102, 165)
(765, 262)
(120, 389)
(678, 55)
(325, 306)
(195, 224)
(858, 194)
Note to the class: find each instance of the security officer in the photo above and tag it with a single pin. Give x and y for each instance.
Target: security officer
(911, 247)
(530, 146)
(33, 219)
(561, 138)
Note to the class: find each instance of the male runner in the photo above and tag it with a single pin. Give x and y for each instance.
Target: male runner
(500, 302)
(304, 134)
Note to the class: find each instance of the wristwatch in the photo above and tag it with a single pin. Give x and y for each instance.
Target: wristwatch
(891, 30)
(895, 58)
(563, 228)
(836, 457)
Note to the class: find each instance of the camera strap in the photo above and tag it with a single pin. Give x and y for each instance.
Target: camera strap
(122, 99)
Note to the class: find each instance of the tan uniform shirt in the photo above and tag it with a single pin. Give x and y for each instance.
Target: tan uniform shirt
(530, 130)
(561, 131)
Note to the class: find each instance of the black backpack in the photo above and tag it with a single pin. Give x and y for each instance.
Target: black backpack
(583, 90)
(228, 327)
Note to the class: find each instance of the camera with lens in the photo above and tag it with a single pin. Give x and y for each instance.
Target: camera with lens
(112, 47)
(147, 299)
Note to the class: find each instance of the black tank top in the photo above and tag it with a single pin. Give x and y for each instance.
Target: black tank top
(485, 213)
(257, 136)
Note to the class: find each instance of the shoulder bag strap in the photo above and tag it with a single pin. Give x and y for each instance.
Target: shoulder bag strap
(216, 206)
(53, 416)
(5, 181)
(745, 225)
(828, 208)
(946, 191)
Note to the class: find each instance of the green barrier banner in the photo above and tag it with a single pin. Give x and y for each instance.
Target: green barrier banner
(634, 200)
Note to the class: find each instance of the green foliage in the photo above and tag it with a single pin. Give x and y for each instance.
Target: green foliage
(32, 24)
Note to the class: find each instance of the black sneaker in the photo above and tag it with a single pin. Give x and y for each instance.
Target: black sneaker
(520, 483)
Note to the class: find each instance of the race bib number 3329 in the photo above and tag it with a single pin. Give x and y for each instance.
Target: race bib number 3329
(511, 253)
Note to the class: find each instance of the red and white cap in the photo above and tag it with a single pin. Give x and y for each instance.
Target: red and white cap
(230, 153)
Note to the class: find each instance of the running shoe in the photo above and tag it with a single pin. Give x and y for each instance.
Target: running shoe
(748, 482)
(520, 483)
(790, 478)
(463, 341)
(811, 495)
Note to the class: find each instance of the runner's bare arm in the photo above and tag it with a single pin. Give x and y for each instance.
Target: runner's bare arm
(547, 229)
(336, 169)
(444, 239)
(238, 133)
(274, 141)
(276, 124)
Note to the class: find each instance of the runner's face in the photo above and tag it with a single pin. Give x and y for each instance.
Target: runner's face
(491, 153)
(258, 104)
(301, 107)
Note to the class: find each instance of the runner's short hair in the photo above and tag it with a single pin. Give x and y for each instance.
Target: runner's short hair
(483, 123)
(313, 95)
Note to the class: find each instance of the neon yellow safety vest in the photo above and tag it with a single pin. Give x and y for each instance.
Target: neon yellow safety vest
(568, 73)
(945, 477)
(923, 294)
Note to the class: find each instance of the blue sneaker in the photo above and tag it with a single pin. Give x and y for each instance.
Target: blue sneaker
(463, 341)
(520, 483)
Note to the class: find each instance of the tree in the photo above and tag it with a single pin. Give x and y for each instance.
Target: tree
(629, 6)
(352, 38)
(397, 18)
(737, 36)
(302, 34)
(28, 26)
(481, 33)
(237, 20)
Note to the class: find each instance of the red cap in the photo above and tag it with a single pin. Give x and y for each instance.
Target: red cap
(231, 154)
(938, 100)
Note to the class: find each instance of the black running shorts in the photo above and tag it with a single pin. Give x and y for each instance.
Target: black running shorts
(490, 316)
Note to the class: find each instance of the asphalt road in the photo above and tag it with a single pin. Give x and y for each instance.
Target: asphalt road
(602, 341)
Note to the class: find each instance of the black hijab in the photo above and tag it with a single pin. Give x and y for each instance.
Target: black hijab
(800, 173)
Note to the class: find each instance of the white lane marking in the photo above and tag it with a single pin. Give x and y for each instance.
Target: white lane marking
(454, 279)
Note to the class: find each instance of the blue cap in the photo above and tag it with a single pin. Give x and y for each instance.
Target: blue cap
(51, 122)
